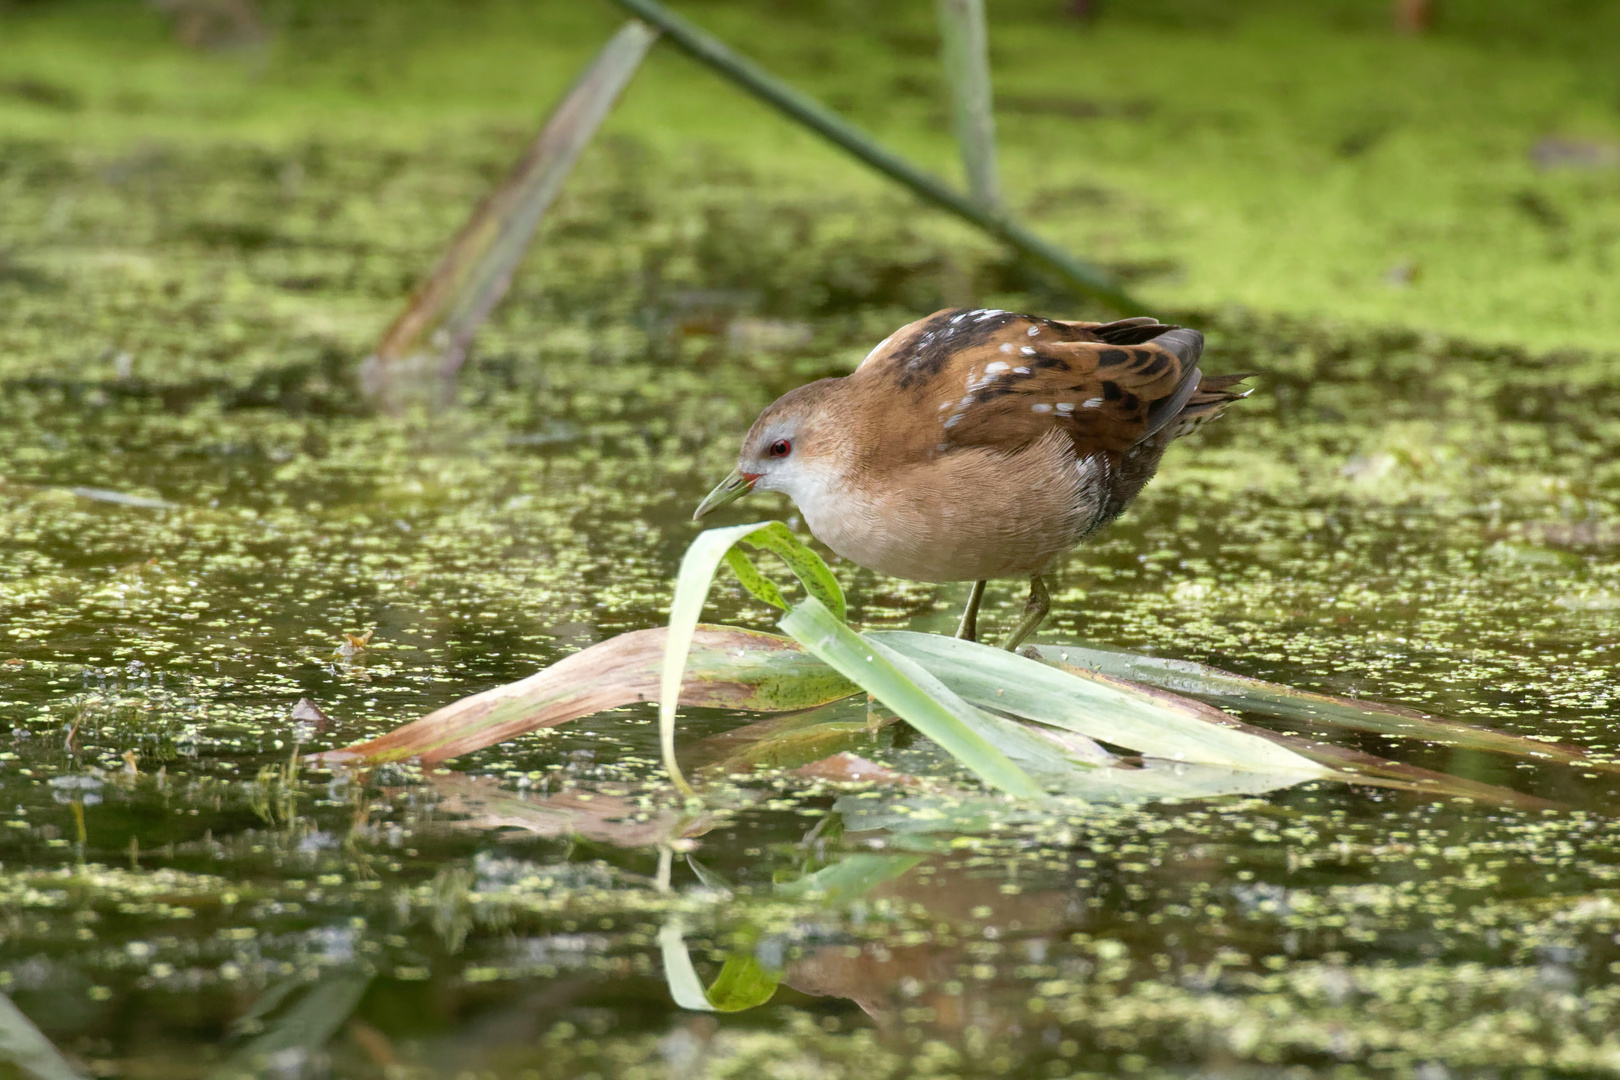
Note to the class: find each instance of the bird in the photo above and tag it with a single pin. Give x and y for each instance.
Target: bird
(977, 444)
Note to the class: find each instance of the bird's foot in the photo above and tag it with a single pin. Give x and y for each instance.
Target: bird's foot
(968, 628)
(1035, 610)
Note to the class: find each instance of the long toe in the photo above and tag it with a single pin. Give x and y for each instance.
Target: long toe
(1035, 610)
(968, 628)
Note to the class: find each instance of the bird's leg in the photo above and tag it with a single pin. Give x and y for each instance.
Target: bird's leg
(1035, 609)
(969, 626)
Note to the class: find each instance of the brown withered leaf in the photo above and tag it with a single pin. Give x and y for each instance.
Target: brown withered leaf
(729, 668)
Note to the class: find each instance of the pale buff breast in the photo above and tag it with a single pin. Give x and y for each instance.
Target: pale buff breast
(964, 516)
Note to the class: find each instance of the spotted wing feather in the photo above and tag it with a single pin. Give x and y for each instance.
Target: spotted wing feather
(1108, 386)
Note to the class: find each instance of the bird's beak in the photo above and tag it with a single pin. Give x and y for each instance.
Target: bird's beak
(730, 489)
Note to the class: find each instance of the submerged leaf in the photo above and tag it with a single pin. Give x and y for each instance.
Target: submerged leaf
(306, 1026)
(966, 811)
(847, 768)
(782, 742)
(121, 499)
(848, 878)
(620, 820)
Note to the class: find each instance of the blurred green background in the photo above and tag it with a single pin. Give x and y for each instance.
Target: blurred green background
(1260, 159)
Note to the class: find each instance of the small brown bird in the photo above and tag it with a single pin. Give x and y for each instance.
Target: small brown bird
(977, 444)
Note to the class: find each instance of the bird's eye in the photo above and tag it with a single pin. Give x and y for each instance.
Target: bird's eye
(781, 448)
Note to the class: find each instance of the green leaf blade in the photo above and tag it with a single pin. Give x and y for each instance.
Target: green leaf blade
(692, 583)
(680, 976)
(743, 983)
(757, 584)
(850, 878)
(446, 310)
(932, 710)
(1289, 703)
(964, 50)
(24, 1046)
(1012, 683)
(698, 566)
(806, 565)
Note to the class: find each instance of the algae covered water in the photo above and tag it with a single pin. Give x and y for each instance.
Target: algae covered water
(215, 562)
(185, 897)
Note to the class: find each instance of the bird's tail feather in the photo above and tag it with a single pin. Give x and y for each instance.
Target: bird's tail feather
(1214, 394)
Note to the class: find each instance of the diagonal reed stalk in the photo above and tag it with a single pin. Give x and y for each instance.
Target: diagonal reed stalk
(965, 50)
(429, 339)
(1078, 274)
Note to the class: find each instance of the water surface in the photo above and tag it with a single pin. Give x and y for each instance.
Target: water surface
(1390, 516)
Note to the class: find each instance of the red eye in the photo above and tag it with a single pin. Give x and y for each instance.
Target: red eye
(781, 448)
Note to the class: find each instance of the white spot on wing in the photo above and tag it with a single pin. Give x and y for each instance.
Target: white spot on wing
(1065, 406)
(995, 368)
(1028, 350)
(1020, 371)
(1006, 346)
(1040, 406)
(1091, 403)
(1032, 331)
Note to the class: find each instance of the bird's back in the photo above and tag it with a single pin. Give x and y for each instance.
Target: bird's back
(964, 378)
(995, 441)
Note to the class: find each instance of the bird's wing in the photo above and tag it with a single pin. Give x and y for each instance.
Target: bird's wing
(1109, 386)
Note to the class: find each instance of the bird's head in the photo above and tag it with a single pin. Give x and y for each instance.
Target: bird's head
(792, 448)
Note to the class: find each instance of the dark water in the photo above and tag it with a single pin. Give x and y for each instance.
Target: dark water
(1389, 517)
(178, 885)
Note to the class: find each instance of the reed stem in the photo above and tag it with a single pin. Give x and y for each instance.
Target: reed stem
(1078, 274)
(429, 338)
(965, 50)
